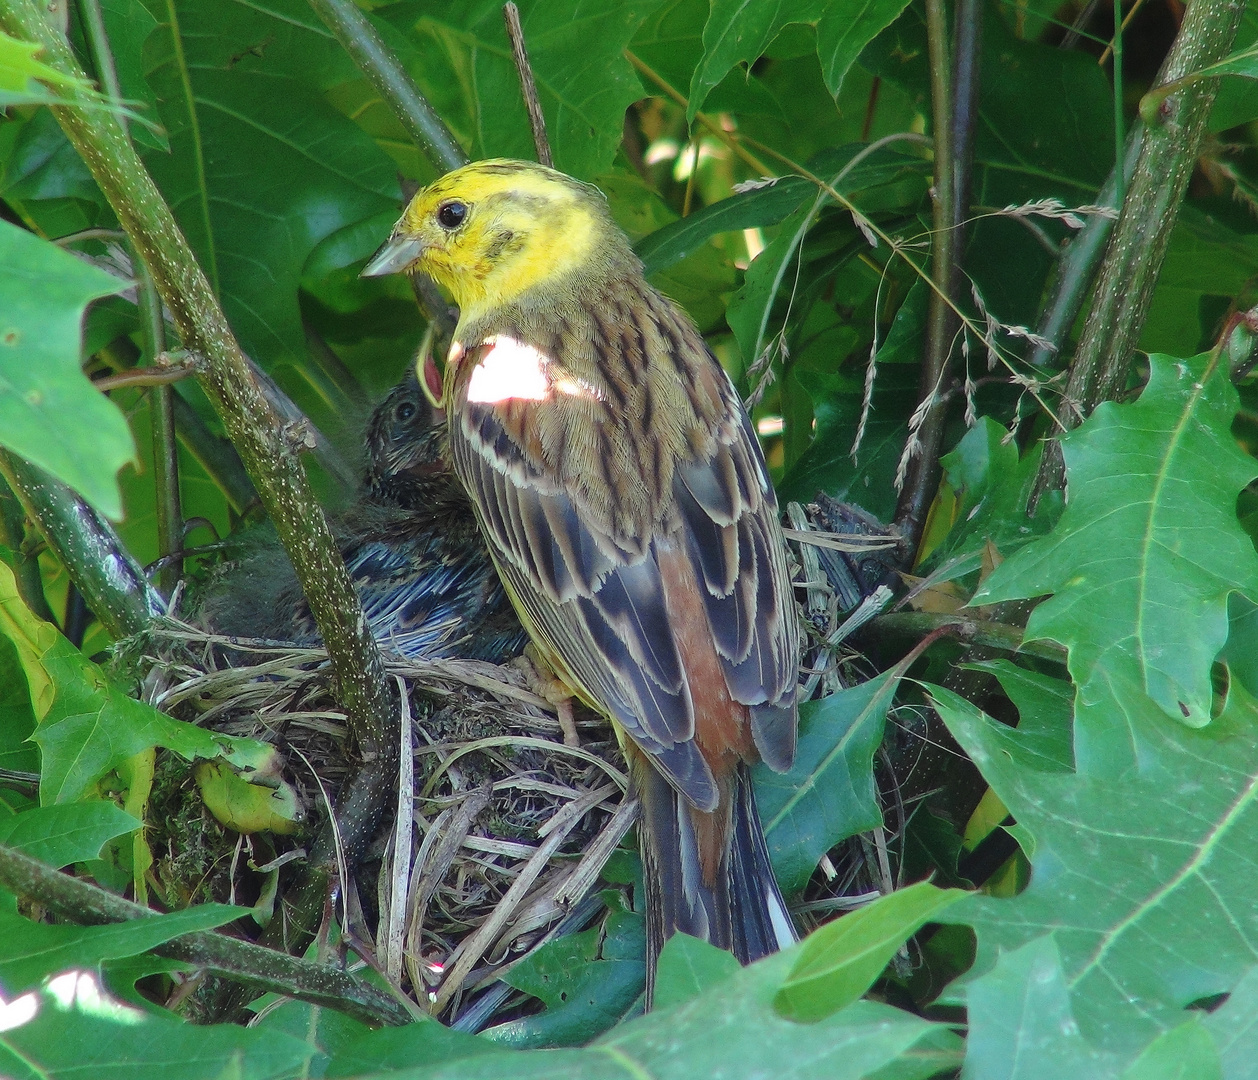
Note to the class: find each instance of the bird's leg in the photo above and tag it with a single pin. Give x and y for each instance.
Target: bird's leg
(567, 723)
(546, 684)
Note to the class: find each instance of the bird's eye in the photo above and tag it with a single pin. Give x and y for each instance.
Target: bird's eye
(451, 215)
(405, 411)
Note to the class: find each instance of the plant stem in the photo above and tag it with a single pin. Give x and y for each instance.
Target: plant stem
(1120, 136)
(953, 134)
(165, 449)
(1133, 260)
(1075, 270)
(996, 635)
(968, 41)
(232, 388)
(386, 73)
(112, 583)
(240, 961)
(102, 57)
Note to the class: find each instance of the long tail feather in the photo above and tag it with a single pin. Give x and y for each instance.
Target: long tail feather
(740, 909)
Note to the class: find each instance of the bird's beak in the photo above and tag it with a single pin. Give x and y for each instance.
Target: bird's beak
(395, 255)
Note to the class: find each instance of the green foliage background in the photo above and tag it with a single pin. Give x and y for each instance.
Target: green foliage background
(1108, 943)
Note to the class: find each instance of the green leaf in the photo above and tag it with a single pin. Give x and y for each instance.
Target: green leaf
(732, 1031)
(43, 294)
(30, 951)
(838, 401)
(1045, 716)
(588, 982)
(738, 31)
(837, 963)
(844, 30)
(1144, 557)
(1244, 63)
(129, 25)
(744, 210)
(328, 1030)
(1236, 100)
(1183, 1053)
(670, 43)
(828, 794)
(1240, 654)
(750, 311)
(47, 182)
(993, 484)
(1207, 261)
(687, 968)
(576, 51)
(78, 1032)
(262, 168)
(1022, 1026)
(120, 976)
(396, 1048)
(73, 832)
(17, 720)
(1045, 115)
(1142, 879)
(19, 71)
(87, 726)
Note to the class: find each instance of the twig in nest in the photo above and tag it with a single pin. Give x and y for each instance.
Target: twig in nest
(620, 779)
(511, 16)
(855, 542)
(472, 948)
(401, 846)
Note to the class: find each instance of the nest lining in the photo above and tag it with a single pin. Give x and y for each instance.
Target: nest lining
(510, 827)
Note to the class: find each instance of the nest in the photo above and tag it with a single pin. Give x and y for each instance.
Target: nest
(509, 831)
(509, 828)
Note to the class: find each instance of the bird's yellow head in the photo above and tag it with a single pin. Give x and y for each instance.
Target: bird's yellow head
(493, 230)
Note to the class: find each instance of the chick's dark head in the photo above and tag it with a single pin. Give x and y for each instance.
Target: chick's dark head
(406, 444)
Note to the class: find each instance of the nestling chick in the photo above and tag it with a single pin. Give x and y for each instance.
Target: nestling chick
(629, 511)
(412, 549)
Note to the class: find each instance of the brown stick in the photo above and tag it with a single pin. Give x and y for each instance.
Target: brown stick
(537, 121)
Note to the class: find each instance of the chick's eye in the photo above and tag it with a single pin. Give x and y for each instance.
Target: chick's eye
(405, 411)
(450, 215)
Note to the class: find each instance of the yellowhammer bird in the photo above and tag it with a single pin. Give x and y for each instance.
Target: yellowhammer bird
(627, 506)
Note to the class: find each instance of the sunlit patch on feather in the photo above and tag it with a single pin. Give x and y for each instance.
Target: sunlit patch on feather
(514, 369)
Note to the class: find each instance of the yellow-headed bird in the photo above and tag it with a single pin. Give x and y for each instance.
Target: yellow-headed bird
(627, 506)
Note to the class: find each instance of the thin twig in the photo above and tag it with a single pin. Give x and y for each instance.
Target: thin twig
(970, 630)
(102, 56)
(165, 450)
(157, 375)
(472, 948)
(402, 831)
(528, 87)
(952, 127)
